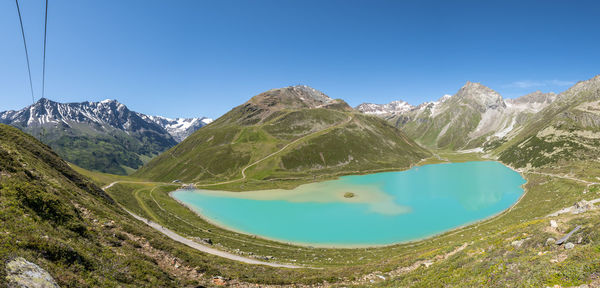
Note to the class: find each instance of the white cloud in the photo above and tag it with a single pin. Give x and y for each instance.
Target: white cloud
(544, 83)
(561, 83)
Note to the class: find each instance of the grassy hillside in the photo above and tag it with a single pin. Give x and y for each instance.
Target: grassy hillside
(477, 255)
(290, 139)
(56, 218)
(53, 216)
(112, 151)
(568, 131)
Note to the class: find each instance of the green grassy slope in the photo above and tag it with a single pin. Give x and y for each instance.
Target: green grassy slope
(477, 255)
(321, 139)
(58, 219)
(112, 151)
(565, 132)
(46, 217)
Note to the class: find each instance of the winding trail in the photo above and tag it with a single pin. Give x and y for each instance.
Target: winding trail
(277, 152)
(195, 245)
(564, 177)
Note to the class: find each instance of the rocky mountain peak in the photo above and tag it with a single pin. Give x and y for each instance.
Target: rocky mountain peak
(312, 93)
(291, 97)
(482, 96)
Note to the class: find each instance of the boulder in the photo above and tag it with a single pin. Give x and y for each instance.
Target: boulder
(219, 281)
(582, 206)
(517, 243)
(22, 273)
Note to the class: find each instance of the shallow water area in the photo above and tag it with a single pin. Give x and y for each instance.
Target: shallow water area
(386, 208)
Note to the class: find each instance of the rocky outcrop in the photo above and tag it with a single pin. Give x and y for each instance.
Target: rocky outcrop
(22, 273)
(579, 207)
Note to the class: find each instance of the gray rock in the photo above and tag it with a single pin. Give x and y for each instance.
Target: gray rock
(553, 224)
(517, 243)
(21, 273)
(569, 245)
(550, 241)
(582, 206)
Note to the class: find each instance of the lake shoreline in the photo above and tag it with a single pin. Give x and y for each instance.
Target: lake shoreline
(450, 231)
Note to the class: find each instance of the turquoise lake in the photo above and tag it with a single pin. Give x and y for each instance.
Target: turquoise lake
(388, 207)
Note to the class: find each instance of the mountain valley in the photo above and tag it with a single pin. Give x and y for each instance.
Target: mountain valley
(287, 137)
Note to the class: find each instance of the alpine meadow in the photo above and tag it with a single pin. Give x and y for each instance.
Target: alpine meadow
(299, 144)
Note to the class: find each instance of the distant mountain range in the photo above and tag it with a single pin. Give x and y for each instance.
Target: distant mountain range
(179, 128)
(536, 130)
(104, 136)
(470, 119)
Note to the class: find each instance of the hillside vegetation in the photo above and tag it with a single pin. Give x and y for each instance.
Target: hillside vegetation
(54, 217)
(566, 132)
(293, 132)
(61, 221)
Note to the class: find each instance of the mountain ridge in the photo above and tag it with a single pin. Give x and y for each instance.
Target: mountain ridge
(473, 117)
(341, 139)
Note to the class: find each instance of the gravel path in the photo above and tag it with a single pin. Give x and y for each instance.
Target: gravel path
(200, 247)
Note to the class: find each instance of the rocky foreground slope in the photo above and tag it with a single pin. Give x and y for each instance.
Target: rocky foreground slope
(54, 218)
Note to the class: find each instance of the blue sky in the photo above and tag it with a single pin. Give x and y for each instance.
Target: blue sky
(201, 58)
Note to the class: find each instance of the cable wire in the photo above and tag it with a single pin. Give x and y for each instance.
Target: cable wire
(44, 65)
(26, 53)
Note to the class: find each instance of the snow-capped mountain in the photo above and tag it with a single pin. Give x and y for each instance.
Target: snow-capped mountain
(179, 128)
(100, 116)
(393, 107)
(104, 136)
